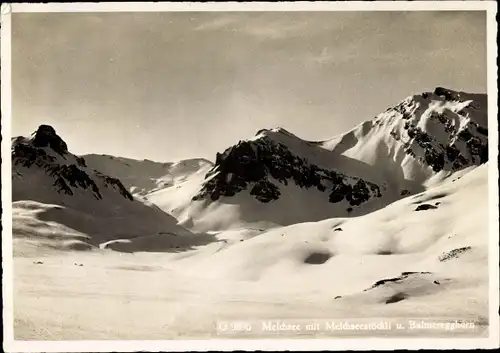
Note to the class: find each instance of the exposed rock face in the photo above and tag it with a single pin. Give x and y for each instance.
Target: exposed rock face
(425, 207)
(70, 176)
(405, 192)
(115, 183)
(67, 176)
(27, 155)
(251, 165)
(441, 130)
(449, 154)
(464, 143)
(46, 136)
(403, 276)
(447, 93)
(453, 254)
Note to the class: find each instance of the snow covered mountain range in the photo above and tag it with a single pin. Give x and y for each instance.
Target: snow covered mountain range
(402, 151)
(269, 178)
(93, 208)
(425, 134)
(394, 213)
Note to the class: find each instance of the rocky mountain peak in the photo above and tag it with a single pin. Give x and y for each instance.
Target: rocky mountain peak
(447, 93)
(439, 130)
(263, 166)
(68, 173)
(444, 129)
(276, 130)
(46, 136)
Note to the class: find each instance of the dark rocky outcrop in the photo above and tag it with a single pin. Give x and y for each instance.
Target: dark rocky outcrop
(70, 175)
(265, 191)
(445, 155)
(482, 130)
(26, 155)
(67, 176)
(115, 183)
(452, 254)
(251, 164)
(424, 207)
(447, 94)
(46, 136)
(401, 277)
(81, 161)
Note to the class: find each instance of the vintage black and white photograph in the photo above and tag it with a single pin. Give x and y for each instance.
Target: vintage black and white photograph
(249, 174)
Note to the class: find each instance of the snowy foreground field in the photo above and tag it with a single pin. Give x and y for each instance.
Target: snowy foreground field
(331, 269)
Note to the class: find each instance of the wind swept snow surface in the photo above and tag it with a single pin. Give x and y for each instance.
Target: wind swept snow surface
(388, 221)
(142, 177)
(60, 200)
(382, 265)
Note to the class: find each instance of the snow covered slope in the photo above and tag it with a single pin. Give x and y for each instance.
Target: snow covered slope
(380, 266)
(276, 178)
(52, 187)
(437, 270)
(287, 244)
(426, 134)
(142, 177)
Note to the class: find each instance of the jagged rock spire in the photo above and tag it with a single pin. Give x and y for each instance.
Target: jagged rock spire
(45, 136)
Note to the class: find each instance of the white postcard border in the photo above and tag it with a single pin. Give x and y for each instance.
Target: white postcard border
(10, 345)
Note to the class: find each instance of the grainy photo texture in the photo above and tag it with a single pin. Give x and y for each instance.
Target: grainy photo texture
(227, 175)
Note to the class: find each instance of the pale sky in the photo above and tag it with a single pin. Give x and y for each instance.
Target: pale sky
(168, 86)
